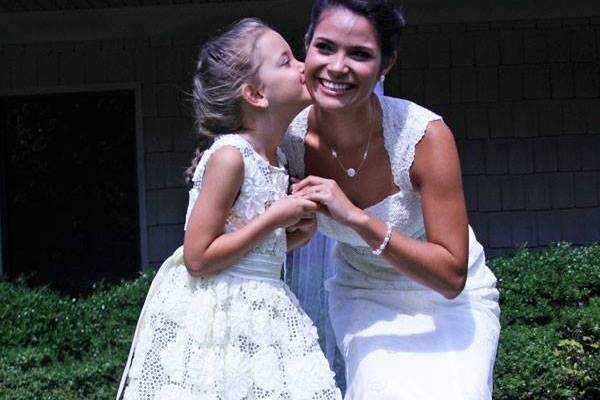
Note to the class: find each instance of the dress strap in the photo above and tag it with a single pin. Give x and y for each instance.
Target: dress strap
(293, 144)
(404, 125)
(232, 140)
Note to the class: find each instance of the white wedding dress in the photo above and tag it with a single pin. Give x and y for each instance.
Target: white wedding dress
(399, 339)
(238, 334)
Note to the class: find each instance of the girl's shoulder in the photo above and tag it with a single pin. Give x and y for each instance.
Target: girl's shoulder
(222, 141)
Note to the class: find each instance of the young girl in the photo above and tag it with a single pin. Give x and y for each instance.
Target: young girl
(218, 323)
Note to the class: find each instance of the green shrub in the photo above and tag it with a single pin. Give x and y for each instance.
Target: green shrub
(550, 340)
(62, 348)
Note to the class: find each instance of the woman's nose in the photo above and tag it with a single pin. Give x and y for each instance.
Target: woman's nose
(338, 64)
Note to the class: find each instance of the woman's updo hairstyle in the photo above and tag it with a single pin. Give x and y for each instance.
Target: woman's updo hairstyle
(385, 17)
(224, 64)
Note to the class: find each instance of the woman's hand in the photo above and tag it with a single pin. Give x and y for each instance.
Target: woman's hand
(331, 198)
(290, 210)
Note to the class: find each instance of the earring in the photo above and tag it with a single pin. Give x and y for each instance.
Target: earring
(382, 78)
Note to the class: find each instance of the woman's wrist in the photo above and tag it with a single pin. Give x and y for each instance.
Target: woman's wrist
(357, 219)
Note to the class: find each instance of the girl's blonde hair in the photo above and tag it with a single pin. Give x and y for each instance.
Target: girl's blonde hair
(224, 64)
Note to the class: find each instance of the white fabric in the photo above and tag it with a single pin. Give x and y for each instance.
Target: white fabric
(399, 339)
(238, 334)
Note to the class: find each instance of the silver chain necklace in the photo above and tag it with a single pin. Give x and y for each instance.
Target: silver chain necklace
(352, 172)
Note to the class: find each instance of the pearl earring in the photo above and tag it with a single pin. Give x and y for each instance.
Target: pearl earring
(382, 78)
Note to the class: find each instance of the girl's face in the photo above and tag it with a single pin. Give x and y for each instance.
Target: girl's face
(343, 60)
(280, 74)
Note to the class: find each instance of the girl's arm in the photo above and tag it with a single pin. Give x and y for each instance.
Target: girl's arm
(440, 262)
(207, 249)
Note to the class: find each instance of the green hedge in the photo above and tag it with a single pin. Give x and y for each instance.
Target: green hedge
(550, 341)
(61, 348)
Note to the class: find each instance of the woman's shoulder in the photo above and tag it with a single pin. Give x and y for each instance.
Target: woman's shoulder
(405, 123)
(299, 125)
(292, 144)
(404, 107)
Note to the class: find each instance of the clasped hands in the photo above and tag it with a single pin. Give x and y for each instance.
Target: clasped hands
(330, 198)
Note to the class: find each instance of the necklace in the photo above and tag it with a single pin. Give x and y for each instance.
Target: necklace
(352, 172)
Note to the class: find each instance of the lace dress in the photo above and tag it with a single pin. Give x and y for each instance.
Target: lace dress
(236, 335)
(401, 340)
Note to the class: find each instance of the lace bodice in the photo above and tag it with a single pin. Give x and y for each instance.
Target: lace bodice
(404, 124)
(238, 334)
(263, 184)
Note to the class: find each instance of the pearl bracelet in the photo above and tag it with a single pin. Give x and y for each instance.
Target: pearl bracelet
(386, 240)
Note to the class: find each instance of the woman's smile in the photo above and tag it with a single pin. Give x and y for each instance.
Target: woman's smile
(336, 87)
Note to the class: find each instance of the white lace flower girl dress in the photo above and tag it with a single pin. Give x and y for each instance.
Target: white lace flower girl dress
(238, 334)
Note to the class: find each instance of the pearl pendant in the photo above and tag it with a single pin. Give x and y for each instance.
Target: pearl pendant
(351, 172)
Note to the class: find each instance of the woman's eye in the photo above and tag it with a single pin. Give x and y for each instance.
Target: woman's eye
(361, 55)
(324, 47)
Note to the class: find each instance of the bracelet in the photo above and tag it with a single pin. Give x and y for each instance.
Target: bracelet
(386, 240)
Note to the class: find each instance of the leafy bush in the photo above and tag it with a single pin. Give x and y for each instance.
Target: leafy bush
(62, 348)
(550, 341)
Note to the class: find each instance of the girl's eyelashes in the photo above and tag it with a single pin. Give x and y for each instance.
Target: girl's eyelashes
(285, 60)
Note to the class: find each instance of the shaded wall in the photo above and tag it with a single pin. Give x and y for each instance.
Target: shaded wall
(521, 95)
(522, 98)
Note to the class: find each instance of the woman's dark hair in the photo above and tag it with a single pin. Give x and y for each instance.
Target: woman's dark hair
(385, 16)
(224, 64)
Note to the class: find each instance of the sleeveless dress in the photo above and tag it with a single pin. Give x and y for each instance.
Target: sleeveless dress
(401, 340)
(235, 335)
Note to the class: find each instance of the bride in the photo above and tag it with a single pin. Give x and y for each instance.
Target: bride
(412, 303)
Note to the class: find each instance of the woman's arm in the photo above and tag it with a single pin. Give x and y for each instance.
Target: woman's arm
(439, 263)
(207, 249)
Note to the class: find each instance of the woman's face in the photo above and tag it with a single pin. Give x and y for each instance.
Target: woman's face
(343, 60)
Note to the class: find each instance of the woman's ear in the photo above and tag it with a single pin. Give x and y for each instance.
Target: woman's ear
(254, 96)
(389, 63)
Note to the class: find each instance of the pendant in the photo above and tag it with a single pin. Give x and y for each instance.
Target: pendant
(351, 172)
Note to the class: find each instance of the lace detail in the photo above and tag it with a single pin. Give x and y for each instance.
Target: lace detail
(225, 337)
(293, 143)
(397, 336)
(236, 335)
(263, 185)
(404, 125)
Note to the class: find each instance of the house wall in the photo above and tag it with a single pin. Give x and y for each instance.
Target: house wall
(522, 98)
(518, 85)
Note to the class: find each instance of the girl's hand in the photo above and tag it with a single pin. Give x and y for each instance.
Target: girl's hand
(289, 210)
(333, 200)
(299, 233)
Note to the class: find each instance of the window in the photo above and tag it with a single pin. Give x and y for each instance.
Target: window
(69, 188)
